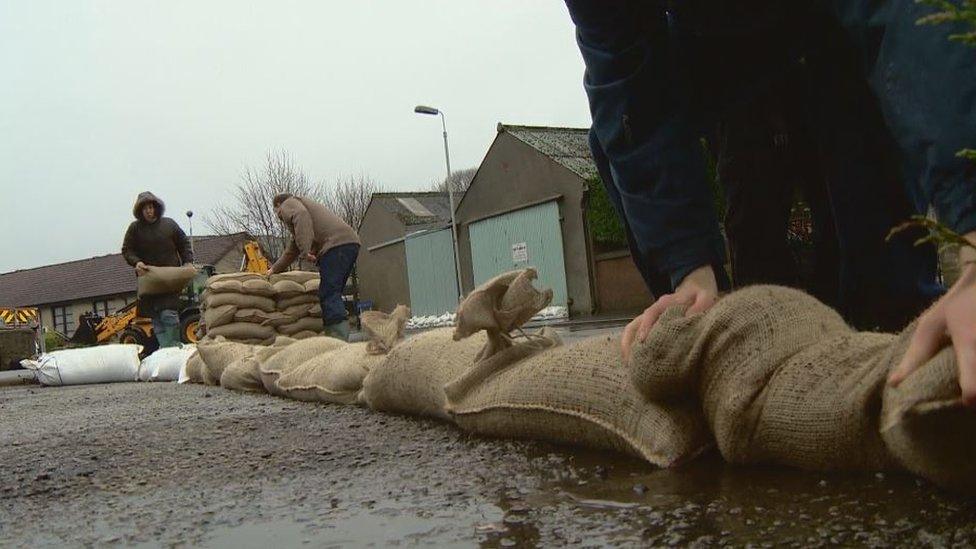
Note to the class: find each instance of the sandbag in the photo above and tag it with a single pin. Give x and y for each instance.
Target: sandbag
(100, 364)
(312, 286)
(300, 277)
(193, 372)
(243, 331)
(256, 316)
(217, 355)
(240, 301)
(302, 299)
(384, 330)
(164, 280)
(296, 312)
(926, 427)
(576, 394)
(225, 286)
(781, 377)
(243, 375)
(411, 380)
(306, 334)
(166, 363)
(283, 289)
(274, 363)
(334, 376)
(258, 286)
(307, 324)
(218, 316)
(240, 277)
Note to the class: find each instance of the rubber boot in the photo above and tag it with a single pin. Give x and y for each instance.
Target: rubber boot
(339, 330)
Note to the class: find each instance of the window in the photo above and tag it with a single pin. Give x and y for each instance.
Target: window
(101, 308)
(64, 321)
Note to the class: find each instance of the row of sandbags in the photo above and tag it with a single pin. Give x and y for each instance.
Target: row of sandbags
(109, 364)
(769, 375)
(252, 308)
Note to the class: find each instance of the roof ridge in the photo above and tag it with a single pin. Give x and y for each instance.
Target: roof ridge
(502, 127)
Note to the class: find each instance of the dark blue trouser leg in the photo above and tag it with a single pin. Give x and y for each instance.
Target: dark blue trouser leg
(335, 266)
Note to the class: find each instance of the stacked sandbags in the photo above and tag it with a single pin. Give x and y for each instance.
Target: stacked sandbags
(296, 295)
(782, 379)
(239, 307)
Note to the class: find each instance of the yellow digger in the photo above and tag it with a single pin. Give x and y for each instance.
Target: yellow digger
(129, 327)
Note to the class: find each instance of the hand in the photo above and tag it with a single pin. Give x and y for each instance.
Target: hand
(141, 268)
(951, 319)
(269, 272)
(699, 290)
(311, 257)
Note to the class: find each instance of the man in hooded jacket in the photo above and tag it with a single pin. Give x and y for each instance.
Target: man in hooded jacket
(154, 240)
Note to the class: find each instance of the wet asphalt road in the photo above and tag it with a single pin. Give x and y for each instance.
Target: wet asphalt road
(167, 465)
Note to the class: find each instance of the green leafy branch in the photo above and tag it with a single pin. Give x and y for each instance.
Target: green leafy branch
(964, 12)
(936, 233)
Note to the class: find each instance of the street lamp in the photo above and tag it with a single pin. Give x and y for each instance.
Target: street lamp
(421, 109)
(189, 219)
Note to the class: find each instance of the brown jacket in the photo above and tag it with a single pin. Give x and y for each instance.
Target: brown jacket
(313, 228)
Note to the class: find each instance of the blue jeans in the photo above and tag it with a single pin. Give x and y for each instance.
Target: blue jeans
(166, 328)
(335, 266)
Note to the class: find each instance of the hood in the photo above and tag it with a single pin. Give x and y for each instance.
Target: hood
(145, 198)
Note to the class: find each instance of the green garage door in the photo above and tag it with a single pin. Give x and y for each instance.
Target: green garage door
(530, 237)
(430, 273)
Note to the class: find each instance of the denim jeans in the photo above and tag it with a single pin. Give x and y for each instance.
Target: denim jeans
(166, 327)
(335, 266)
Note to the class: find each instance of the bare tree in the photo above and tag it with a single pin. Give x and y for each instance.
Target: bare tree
(251, 210)
(349, 197)
(461, 180)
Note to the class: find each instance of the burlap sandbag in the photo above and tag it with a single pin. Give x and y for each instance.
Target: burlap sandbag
(258, 286)
(240, 277)
(316, 310)
(256, 316)
(306, 334)
(225, 286)
(218, 316)
(243, 375)
(164, 280)
(580, 394)
(274, 363)
(301, 277)
(243, 331)
(284, 289)
(500, 306)
(296, 312)
(411, 380)
(384, 330)
(925, 425)
(240, 301)
(335, 376)
(302, 299)
(307, 324)
(781, 377)
(217, 355)
(312, 286)
(194, 368)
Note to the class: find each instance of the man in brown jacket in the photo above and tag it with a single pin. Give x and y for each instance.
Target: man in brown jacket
(321, 237)
(154, 240)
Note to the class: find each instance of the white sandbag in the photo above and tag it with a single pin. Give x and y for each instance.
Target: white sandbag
(166, 364)
(101, 364)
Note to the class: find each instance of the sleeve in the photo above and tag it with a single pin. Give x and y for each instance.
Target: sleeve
(182, 244)
(287, 257)
(296, 214)
(644, 127)
(128, 246)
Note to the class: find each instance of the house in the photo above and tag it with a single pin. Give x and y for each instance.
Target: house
(102, 284)
(382, 268)
(529, 205)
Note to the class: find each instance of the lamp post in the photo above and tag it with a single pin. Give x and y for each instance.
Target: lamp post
(421, 109)
(189, 219)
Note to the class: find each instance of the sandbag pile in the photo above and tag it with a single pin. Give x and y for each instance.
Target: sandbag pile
(254, 309)
(782, 379)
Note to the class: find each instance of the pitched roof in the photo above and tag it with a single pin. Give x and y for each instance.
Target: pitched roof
(569, 147)
(417, 208)
(94, 277)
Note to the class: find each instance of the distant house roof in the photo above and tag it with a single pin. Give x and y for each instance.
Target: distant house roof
(567, 146)
(94, 277)
(417, 209)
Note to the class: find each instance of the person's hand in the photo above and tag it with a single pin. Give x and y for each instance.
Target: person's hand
(311, 257)
(951, 319)
(269, 272)
(699, 290)
(141, 268)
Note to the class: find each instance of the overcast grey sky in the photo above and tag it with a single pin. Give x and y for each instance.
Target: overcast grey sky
(103, 99)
